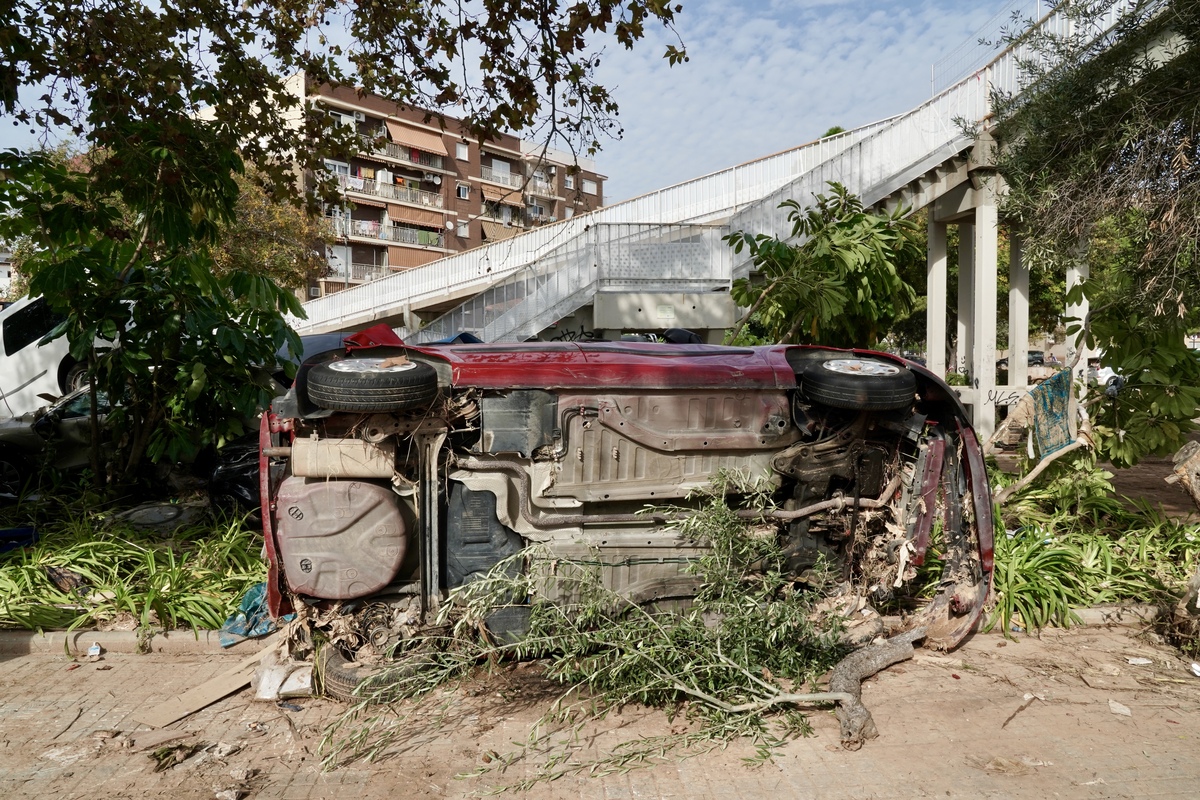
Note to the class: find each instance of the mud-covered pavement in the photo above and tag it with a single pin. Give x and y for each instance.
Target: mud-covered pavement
(997, 718)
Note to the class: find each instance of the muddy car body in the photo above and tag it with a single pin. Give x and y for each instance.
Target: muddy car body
(393, 474)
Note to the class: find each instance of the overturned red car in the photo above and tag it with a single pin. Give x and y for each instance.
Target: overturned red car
(392, 474)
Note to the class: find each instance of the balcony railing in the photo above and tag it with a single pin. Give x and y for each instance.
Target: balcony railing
(391, 191)
(401, 152)
(506, 178)
(369, 229)
(359, 273)
(540, 187)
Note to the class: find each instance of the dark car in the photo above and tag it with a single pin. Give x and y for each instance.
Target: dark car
(58, 434)
(1037, 358)
(398, 473)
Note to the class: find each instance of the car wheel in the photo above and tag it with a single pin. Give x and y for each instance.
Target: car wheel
(15, 472)
(76, 378)
(340, 679)
(372, 384)
(859, 383)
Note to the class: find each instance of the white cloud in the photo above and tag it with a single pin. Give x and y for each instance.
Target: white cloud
(766, 76)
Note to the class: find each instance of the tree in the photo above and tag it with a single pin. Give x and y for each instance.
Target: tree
(841, 285)
(173, 99)
(185, 353)
(1101, 155)
(271, 237)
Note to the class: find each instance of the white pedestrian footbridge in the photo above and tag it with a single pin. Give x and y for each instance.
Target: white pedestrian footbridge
(658, 261)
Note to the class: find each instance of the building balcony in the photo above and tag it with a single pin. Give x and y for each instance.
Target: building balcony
(540, 219)
(358, 273)
(503, 178)
(401, 152)
(540, 186)
(382, 232)
(391, 191)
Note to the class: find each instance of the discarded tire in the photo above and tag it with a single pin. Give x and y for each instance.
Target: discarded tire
(372, 384)
(859, 384)
(339, 679)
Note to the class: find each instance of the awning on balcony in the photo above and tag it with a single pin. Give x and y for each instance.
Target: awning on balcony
(405, 258)
(494, 231)
(421, 140)
(509, 197)
(415, 216)
(358, 201)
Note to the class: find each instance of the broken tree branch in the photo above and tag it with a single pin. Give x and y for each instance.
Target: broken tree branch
(848, 675)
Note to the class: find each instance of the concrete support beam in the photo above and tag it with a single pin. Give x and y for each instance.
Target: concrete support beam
(986, 268)
(935, 309)
(1018, 313)
(966, 299)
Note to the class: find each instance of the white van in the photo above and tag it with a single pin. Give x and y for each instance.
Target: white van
(29, 372)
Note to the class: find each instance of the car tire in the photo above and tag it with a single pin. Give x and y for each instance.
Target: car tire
(861, 384)
(15, 472)
(339, 680)
(76, 377)
(372, 384)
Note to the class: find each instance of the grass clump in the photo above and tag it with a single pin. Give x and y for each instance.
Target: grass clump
(729, 663)
(1070, 543)
(86, 571)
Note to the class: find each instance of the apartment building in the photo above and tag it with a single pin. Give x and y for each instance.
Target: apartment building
(414, 193)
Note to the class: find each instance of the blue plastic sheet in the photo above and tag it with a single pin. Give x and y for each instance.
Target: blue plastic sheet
(252, 619)
(12, 538)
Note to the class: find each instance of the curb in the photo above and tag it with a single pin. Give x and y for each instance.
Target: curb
(1130, 615)
(76, 643)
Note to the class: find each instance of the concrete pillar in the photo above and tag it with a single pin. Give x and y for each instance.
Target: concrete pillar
(966, 298)
(935, 309)
(986, 269)
(1018, 314)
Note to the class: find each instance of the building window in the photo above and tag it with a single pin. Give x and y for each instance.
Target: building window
(463, 191)
(464, 228)
(568, 181)
(589, 187)
(462, 151)
(570, 212)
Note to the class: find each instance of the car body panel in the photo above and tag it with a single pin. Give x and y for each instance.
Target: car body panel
(29, 370)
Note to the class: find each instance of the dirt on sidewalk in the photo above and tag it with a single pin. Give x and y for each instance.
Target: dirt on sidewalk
(1075, 713)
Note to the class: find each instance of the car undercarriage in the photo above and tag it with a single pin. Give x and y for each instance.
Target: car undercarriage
(392, 475)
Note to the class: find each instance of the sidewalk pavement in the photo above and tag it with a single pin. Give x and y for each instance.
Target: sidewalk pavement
(1034, 718)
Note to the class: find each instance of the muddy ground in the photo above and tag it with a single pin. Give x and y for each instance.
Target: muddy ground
(1095, 712)
(1073, 714)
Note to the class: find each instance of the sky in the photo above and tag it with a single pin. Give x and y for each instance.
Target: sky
(768, 75)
